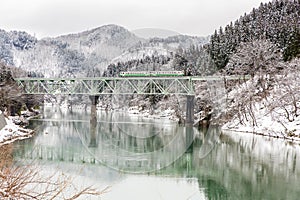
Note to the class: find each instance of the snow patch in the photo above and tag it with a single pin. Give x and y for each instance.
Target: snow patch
(11, 132)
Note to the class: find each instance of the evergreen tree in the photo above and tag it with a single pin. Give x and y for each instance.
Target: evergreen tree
(277, 21)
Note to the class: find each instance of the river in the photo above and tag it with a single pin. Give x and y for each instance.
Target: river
(158, 159)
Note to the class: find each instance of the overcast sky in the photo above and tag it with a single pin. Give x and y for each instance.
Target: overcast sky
(44, 18)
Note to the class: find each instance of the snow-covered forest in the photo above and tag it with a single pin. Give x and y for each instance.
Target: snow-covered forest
(276, 21)
(264, 43)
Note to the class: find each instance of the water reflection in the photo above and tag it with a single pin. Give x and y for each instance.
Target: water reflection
(226, 166)
(126, 144)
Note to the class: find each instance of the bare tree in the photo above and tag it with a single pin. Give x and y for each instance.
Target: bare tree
(25, 182)
(285, 103)
(263, 61)
(11, 98)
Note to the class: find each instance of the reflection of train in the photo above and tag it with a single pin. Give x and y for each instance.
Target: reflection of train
(151, 73)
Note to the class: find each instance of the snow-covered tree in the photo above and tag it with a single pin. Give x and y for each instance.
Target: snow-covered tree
(284, 103)
(277, 21)
(256, 56)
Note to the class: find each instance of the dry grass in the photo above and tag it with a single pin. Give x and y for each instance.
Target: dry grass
(25, 182)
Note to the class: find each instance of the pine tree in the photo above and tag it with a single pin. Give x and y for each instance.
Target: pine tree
(293, 48)
(277, 21)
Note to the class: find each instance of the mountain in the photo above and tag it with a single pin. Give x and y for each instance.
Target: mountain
(86, 53)
(160, 46)
(82, 54)
(148, 33)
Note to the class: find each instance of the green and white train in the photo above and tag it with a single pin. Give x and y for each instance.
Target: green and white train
(151, 73)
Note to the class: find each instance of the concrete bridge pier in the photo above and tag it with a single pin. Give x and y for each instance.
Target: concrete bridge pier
(189, 120)
(93, 121)
(189, 138)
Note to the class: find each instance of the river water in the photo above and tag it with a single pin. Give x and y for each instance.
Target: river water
(157, 159)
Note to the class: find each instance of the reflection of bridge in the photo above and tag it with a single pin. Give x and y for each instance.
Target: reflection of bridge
(96, 86)
(116, 145)
(235, 168)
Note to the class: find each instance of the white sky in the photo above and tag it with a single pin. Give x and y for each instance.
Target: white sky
(44, 18)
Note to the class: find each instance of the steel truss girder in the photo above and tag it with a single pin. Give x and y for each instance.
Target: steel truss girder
(107, 85)
(116, 85)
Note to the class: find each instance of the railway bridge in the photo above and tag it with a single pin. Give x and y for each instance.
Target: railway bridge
(96, 86)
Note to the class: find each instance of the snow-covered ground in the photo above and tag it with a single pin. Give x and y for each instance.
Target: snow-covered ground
(268, 124)
(163, 114)
(276, 114)
(11, 132)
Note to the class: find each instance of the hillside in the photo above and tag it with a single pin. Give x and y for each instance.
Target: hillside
(83, 54)
(276, 21)
(266, 45)
(148, 33)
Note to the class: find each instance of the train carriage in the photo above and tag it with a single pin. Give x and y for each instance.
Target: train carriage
(151, 73)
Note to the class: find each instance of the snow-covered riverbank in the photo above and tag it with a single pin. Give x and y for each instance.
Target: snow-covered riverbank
(267, 108)
(12, 132)
(273, 124)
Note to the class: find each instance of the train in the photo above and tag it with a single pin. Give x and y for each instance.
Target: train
(151, 73)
